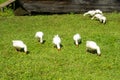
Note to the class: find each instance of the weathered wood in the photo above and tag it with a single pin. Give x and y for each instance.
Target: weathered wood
(64, 6)
(6, 4)
(68, 6)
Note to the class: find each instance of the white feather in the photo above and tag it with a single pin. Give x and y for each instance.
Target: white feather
(93, 46)
(92, 12)
(39, 35)
(100, 17)
(57, 41)
(18, 44)
(97, 11)
(77, 38)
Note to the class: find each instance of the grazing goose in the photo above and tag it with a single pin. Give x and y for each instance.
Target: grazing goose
(92, 12)
(77, 39)
(39, 35)
(19, 45)
(57, 42)
(98, 11)
(100, 17)
(91, 46)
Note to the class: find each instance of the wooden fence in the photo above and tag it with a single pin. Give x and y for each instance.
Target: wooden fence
(67, 6)
(7, 3)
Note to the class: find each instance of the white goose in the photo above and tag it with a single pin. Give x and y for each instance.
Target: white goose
(18, 44)
(93, 12)
(98, 11)
(39, 35)
(77, 39)
(92, 46)
(100, 17)
(90, 12)
(57, 41)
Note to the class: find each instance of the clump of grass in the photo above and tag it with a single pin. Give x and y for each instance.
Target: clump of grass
(7, 12)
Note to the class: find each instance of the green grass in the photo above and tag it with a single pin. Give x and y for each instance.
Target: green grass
(44, 62)
(1, 1)
(7, 11)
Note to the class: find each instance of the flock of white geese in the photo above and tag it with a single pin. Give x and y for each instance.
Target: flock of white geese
(91, 46)
(96, 14)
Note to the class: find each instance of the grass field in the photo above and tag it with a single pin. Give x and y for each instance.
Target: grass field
(44, 62)
(1, 1)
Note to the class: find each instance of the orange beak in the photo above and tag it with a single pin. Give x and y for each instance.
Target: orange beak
(99, 54)
(77, 45)
(59, 49)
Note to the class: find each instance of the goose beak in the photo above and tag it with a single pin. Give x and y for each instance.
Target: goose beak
(59, 49)
(27, 52)
(77, 45)
(99, 54)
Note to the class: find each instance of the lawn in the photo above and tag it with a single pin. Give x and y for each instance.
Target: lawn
(44, 62)
(1, 1)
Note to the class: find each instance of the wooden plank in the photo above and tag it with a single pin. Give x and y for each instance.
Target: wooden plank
(68, 6)
(63, 7)
(6, 3)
